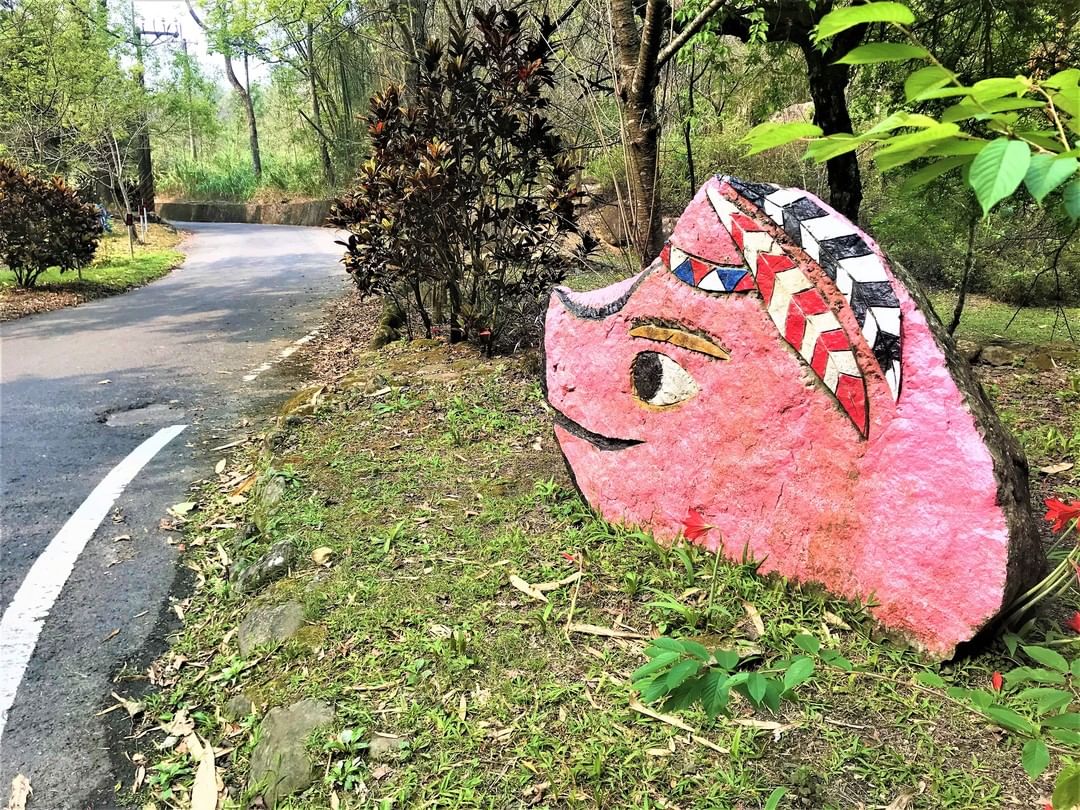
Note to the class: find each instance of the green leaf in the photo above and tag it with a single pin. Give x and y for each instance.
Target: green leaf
(1068, 100)
(980, 698)
(1067, 736)
(755, 686)
(774, 799)
(842, 19)
(1046, 173)
(798, 673)
(1035, 758)
(695, 649)
(959, 146)
(773, 134)
(668, 643)
(833, 658)
(1072, 199)
(1046, 698)
(932, 171)
(1046, 657)
(892, 159)
(901, 119)
(774, 692)
(1011, 720)
(686, 668)
(938, 132)
(946, 92)
(997, 87)
(653, 690)
(827, 148)
(1024, 674)
(877, 52)
(966, 109)
(1069, 720)
(728, 659)
(714, 693)
(662, 661)
(807, 643)
(1067, 788)
(1074, 668)
(927, 678)
(997, 171)
(925, 80)
(1070, 77)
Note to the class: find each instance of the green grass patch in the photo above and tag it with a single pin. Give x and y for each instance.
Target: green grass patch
(431, 495)
(985, 319)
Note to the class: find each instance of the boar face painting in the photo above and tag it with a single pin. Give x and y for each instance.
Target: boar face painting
(770, 378)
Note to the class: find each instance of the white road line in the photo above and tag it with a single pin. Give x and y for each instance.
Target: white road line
(284, 354)
(22, 621)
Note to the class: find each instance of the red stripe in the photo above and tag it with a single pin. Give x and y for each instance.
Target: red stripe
(851, 394)
(700, 269)
(820, 360)
(795, 326)
(745, 283)
(810, 302)
(834, 340)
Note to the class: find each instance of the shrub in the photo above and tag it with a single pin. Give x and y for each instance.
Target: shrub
(43, 224)
(464, 212)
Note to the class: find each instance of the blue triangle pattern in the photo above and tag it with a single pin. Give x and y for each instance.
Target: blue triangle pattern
(685, 272)
(730, 276)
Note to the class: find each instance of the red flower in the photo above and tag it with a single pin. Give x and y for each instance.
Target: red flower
(694, 525)
(995, 681)
(1060, 514)
(1074, 622)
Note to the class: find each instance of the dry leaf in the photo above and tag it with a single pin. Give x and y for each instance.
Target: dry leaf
(322, 555)
(544, 587)
(20, 792)
(204, 792)
(178, 510)
(755, 618)
(120, 538)
(335, 802)
(462, 708)
(132, 707)
(836, 621)
(526, 588)
(236, 500)
(111, 635)
(1054, 469)
(219, 468)
(902, 801)
(180, 726)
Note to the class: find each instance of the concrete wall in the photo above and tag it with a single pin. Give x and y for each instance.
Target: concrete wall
(298, 213)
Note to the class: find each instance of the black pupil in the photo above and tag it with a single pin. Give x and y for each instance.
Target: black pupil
(648, 374)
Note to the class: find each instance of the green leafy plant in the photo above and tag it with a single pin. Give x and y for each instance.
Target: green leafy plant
(1000, 132)
(462, 215)
(683, 672)
(43, 224)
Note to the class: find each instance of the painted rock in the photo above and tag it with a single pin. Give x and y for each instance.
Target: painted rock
(772, 385)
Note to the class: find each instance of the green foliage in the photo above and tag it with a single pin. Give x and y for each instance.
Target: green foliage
(682, 672)
(469, 195)
(1016, 130)
(43, 224)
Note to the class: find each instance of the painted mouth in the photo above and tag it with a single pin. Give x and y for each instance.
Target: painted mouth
(597, 440)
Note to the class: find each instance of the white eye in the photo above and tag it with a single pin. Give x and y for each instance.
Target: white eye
(660, 381)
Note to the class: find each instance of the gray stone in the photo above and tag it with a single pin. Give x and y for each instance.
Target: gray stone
(968, 349)
(272, 565)
(279, 763)
(388, 747)
(998, 356)
(269, 624)
(270, 495)
(238, 707)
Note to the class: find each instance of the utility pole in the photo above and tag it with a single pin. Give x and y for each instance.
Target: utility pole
(142, 135)
(187, 91)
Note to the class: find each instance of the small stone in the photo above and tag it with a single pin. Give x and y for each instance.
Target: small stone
(968, 349)
(388, 747)
(269, 624)
(270, 495)
(279, 763)
(238, 707)
(998, 356)
(302, 403)
(272, 565)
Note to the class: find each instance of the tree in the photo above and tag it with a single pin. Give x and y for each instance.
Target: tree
(43, 224)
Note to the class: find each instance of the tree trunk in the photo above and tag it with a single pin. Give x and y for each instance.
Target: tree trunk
(965, 279)
(415, 14)
(249, 111)
(828, 83)
(316, 115)
(643, 141)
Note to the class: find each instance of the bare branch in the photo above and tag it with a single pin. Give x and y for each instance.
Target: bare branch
(688, 31)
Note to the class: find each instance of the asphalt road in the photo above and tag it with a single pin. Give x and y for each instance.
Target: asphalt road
(185, 345)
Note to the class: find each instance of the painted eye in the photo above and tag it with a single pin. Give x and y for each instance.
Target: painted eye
(660, 381)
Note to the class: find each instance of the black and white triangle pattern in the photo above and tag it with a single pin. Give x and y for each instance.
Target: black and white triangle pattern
(835, 244)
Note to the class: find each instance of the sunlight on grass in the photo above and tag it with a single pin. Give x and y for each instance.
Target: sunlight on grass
(986, 319)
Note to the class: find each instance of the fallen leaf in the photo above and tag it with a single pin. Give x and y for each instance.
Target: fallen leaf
(526, 588)
(544, 587)
(204, 794)
(20, 792)
(219, 468)
(237, 500)
(463, 708)
(111, 635)
(380, 772)
(178, 510)
(335, 802)
(104, 382)
(180, 726)
(132, 707)
(120, 538)
(1054, 469)
(836, 621)
(322, 555)
(755, 618)
(902, 801)
(140, 777)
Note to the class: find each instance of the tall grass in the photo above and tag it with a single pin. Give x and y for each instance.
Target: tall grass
(228, 177)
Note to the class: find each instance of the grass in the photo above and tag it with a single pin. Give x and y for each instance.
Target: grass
(431, 494)
(985, 319)
(228, 177)
(114, 270)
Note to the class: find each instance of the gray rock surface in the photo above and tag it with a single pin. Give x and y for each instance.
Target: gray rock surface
(279, 763)
(272, 565)
(998, 356)
(388, 747)
(238, 707)
(269, 624)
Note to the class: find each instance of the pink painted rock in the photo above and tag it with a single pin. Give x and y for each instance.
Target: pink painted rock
(772, 383)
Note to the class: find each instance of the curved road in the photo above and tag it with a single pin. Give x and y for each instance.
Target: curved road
(184, 344)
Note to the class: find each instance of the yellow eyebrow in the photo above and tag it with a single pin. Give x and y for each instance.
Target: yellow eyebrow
(680, 338)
